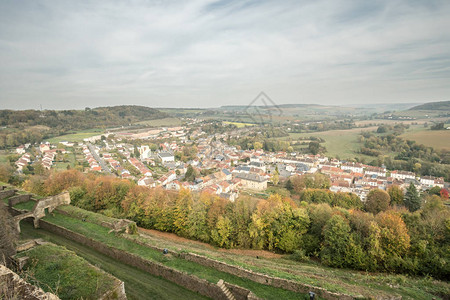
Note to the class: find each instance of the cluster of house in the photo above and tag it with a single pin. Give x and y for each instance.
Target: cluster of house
(89, 156)
(360, 179)
(47, 155)
(235, 169)
(23, 161)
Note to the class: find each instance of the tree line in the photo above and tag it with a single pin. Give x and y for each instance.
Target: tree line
(384, 234)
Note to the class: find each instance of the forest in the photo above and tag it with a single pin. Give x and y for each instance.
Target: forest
(391, 232)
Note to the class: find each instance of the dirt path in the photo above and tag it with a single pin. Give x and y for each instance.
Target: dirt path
(178, 239)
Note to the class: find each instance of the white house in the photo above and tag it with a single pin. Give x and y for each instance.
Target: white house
(403, 175)
(430, 181)
(166, 156)
(144, 152)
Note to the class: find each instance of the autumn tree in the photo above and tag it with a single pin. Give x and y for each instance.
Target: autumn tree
(377, 201)
(396, 195)
(339, 248)
(311, 181)
(412, 200)
(6, 172)
(395, 239)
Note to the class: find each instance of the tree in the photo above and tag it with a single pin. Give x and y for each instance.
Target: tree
(257, 145)
(377, 201)
(8, 235)
(191, 174)
(314, 147)
(396, 195)
(6, 172)
(444, 194)
(412, 200)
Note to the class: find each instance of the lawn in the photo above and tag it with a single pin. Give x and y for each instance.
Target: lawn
(75, 137)
(60, 271)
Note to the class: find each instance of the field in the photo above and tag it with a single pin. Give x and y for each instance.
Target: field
(239, 124)
(75, 137)
(161, 122)
(339, 143)
(438, 139)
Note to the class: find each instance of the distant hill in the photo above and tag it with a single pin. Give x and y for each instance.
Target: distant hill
(25, 126)
(441, 105)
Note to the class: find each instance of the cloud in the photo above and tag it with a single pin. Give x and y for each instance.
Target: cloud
(72, 54)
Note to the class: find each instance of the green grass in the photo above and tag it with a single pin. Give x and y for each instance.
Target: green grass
(101, 234)
(75, 137)
(239, 124)
(338, 143)
(58, 270)
(89, 216)
(26, 205)
(138, 284)
(438, 139)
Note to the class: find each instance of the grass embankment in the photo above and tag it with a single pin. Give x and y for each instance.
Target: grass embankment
(60, 271)
(337, 280)
(138, 284)
(101, 234)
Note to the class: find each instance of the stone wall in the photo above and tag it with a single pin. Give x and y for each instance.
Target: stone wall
(7, 193)
(190, 282)
(14, 287)
(18, 199)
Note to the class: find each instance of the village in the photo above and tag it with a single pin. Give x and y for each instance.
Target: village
(183, 157)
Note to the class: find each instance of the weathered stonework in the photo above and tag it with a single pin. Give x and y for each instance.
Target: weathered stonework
(39, 208)
(14, 287)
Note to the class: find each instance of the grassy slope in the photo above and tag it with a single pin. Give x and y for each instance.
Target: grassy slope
(58, 270)
(138, 284)
(348, 281)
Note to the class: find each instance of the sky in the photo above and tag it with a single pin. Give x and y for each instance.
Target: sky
(75, 54)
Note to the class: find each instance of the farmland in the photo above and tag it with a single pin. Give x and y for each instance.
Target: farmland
(438, 139)
(339, 143)
(75, 137)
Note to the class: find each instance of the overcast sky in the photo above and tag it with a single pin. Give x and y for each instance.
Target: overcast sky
(76, 54)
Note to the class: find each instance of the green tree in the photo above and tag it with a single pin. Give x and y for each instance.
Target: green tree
(377, 201)
(191, 174)
(314, 147)
(396, 195)
(336, 240)
(412, 199)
